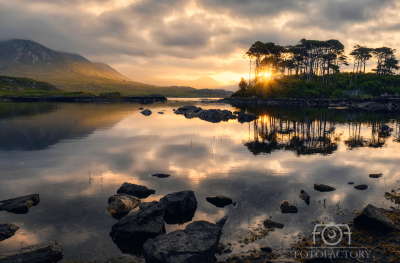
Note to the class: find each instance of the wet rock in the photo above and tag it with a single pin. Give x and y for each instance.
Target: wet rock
(47, 252)
(140, 108)
(286, 207)
(374, 219)
(222, 222)
(160, 112)
(351, 182)
(271, 224)
(120, 205)
(234, 204)
(281, 260)
(266, 249)
(219, 200)
(146, 112)
(161, 175)
(245, 117)
(133, 230)
(323, 188)
(196, 244)
(361, 187)
(375, 175)
(7, 231)
(305, 196)
(19, 205)
(135, 190)
(179, 207)
(210, 115)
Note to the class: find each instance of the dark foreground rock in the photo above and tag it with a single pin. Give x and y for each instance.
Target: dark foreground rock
(120, 205)
(211, 115)
(222, 222)
(146, 112)
(7, 231)
(161, 175)
(375, 175)
(219, 200)
(305, 196)
(323, 188)
(374, 219)
(135, 190)
(361, 187)
(133, 230)
(286, 207)
(179, 207)
(19, 205)
(47, 252)
(271, 224)
(196, 244)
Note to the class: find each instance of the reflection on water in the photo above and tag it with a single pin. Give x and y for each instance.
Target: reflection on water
(77, 155)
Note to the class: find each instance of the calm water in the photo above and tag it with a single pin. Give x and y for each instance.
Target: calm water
(77, 155)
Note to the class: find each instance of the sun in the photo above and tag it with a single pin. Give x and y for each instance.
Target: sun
(267, 74)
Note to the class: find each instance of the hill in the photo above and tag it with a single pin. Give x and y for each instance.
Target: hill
(199, 83)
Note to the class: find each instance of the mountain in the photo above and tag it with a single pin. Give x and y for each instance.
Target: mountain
(200, 83)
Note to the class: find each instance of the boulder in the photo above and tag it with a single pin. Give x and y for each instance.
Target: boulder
(266, 249)
(161, 175)
(133, 230)
(323, 188)
(135, 190)
(374, 219)
(222, 222)
(196, 244)
(19, 205)
(271, 224)
(286, 207)
(245, 117)
(121, 204)
(179, 207)
(7, 231)
(219, 200)
(375, 175)
(361, 187)
(305, 196)
(47, 252)
(146, 112)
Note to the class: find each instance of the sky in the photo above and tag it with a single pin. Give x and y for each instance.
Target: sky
(188, 39)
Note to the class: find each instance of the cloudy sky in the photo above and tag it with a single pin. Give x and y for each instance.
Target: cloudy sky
(193, 38)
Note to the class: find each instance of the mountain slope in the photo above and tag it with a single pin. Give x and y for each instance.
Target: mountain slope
(200, 83)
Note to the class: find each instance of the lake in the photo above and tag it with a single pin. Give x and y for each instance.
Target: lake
(75, 156)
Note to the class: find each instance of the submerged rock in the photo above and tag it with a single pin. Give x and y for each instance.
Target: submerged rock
(161, 175)
(135, 190)
(7, 231)
(286, 207)
(219, 200)
(305, 196)
(121, 204)
(133, 230)
(19, 205)
(375, 175)
(196, 244)
(47, 252)
(179, 207)
(271, 224)
(323, 187)
(146, 112)
(374, 219)
(361, 187)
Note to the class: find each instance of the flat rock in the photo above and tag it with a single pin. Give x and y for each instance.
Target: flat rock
(372, 218)
(179, 207)
(196, 244)
(47, 252)
(121, 204)
(286, 207)
(323, 188)
(135, 190)
(19, 205)
(7, 231)
(361, 187)
(133, 230)
(146, 112)
(375, 175)
(219, 200)
(305, 196)
(161, 175)
(271, 224)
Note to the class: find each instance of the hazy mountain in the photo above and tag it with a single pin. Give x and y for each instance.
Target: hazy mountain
(200, 83)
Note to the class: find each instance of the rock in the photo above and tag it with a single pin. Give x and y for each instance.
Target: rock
(286, 207)
(371, 106)
(196, 244)
(281, 260)
(351, 183)
(161, 175)
(374, 219)
(7, 231)
(323, 188)
(121, 204)
(140, 108)
(271, 224)
(384, 128)
(135, 190)
(234, 204)
(19, 205)
(266, 249)
(223, 248)
(222, 222)
(47, 252)
(179, 207)
(375, 175)
(146, 112)
(219, 200)
(305, 196)
(133, 230)
(245, 117)
(211, 115)
(361, 187)
(160, 112)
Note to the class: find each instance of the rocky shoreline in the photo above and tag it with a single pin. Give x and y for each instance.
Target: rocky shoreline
(56, 98)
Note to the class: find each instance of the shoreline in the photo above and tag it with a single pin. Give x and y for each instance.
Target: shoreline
(55, 98)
